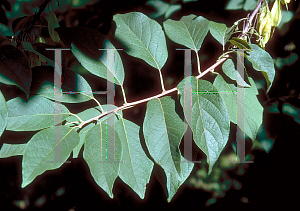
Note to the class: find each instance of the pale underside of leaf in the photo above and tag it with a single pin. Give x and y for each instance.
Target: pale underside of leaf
(163, 131)
(47, 151)
(36, 114)
(209, 120)
(252, 109)
(3, 113)
(95, 153)
(136, 167)
(262, 61)
(8, 150)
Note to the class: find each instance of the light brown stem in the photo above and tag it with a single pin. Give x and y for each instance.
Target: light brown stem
(128, 105)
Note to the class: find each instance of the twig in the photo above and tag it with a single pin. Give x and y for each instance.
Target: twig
(249, 22)
(210, 69)
(128, 105)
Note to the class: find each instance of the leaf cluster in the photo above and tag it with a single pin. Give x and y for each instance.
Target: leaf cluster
(110, 143)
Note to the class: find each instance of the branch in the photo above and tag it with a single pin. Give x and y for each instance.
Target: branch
(129, 105)
(220, 61)
(249, 22)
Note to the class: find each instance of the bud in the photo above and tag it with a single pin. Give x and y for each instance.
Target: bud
(265, 22)
(285, 2)
(276, 13)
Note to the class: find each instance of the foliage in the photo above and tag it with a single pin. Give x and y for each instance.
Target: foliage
(102, 130)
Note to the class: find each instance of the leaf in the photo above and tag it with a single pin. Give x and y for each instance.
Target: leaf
(250, 5)
(27, 46)
(209, 120)
(86, 115)
(87, 40)
(52, 24)
(230, 70)
(241, 44)
(3, 113)
(234, 4)
(42, 150)
(253, 111)
(103, 171)
(8, 150)
(15, 68)
(100, 67)
(136, 168)
(160, 6)
(286, 17)
(36, 114)
(292, 111)
(186, 1)
(220, 32)
(142, 37)
(262, 61)
(69, 86)
(163, 130)
(163, 8)
(172, 9)
(173, 183)
(189, 31)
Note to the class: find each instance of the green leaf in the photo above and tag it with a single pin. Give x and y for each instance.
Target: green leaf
(189, 31)
(230, 70)
(86, 115)
(160, 6)
(95, 152)
(15, 68)
(100, 67)
(36, 114)
(235, 4)
(3, 113)
(52, 24)
(80, 3)
(172, 9)
(44, 153)
(142, 37)
(186, 1)
(8, 150)
(163, 8)
(209, 120)
(80, 84)
(163, 130)
(173, 183)
(262, 61)
(220, 32)
(241, 44)
(286, 17)
(289, 60)
(291, 110)
(27, 46)
(250, 5)
(253, 111)
(136, 168)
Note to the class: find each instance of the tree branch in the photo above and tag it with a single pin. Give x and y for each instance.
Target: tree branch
(220, 61)
(128, 105)
(249, 22)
